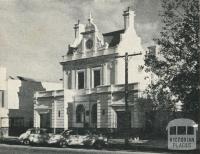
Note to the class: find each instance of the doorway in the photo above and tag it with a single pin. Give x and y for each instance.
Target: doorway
(45, 120)
(122, 121)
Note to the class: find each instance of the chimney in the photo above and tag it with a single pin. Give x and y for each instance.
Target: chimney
(76, 28)
(128, 18)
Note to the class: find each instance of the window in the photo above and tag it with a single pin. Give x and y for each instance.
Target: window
(81, 80)
(172, 130)
(16, 122)
(96, 77)
(181, 130)
(80, 114)
(87, 113)
(94, 113)
(2, 98)
(59, 113)
(190, 130)
(73, 133)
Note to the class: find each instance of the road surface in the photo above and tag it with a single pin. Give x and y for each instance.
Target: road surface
(21, 149)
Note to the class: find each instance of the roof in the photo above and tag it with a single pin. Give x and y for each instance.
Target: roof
(113, 38)
(181, 122)
(71, 50)
(31, 79)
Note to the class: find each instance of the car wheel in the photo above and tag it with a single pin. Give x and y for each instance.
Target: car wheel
(26, 142)
(63, 144)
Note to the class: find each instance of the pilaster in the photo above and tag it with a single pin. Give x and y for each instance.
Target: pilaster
(66, 78)
(55, 115)
(73, 79)
(105, 74)
(88, 78)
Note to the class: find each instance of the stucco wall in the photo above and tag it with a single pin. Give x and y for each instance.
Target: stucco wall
(57, 119)
(2, 78)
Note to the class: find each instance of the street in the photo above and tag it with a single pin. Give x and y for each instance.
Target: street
(21, 149)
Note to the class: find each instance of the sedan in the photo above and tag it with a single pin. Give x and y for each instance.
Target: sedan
(78, 138)
(34, 136)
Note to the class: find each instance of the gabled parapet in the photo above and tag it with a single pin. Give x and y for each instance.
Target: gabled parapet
(130, 42)
(90, 42)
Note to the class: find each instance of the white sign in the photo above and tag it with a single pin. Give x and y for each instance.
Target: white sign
(182, 134)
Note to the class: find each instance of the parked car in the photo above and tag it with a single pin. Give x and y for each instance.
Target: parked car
(34, 136)
(81, 138)
(56, 138)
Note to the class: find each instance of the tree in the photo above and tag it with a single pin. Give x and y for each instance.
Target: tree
(176, 66)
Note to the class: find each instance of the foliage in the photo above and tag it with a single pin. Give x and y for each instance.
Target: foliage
(176, 65)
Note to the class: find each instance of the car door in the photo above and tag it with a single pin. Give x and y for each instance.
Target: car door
(81, 137)
(44, 136)
(73, 138)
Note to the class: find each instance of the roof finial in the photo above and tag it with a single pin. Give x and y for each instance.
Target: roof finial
(90, 17)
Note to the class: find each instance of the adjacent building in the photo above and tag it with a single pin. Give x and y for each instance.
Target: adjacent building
(93, 81)
(17, 102)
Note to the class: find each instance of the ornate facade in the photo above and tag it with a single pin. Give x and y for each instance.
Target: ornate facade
(93, 80)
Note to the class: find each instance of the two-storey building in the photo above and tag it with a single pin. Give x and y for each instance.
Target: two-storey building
(93, 80)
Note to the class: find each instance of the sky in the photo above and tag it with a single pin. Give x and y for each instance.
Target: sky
(34, 34)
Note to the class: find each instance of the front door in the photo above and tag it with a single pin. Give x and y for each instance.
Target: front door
(45, 120)
(122, 121)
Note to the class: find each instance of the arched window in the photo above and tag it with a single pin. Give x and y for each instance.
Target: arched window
(94, 113)
(80, 114)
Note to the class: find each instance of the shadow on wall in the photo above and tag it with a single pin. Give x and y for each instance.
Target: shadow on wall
(22, 118)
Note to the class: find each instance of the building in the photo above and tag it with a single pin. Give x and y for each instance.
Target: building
(93, 81)
(3, 110)
(16, 102)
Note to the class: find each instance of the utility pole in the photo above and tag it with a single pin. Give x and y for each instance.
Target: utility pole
(127, 113)
(199, 67)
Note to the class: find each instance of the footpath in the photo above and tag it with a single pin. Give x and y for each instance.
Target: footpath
(145, 145)
(115, 144)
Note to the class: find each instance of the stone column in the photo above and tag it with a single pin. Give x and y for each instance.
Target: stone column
(88, 78)
(66, 78)
(73, 79)
(74, 115)
(105, 74)
(55, 115)
(65, 110)
(110, 74)
(112, 121)
(98, 114)
(37, 119)
(65, 116)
